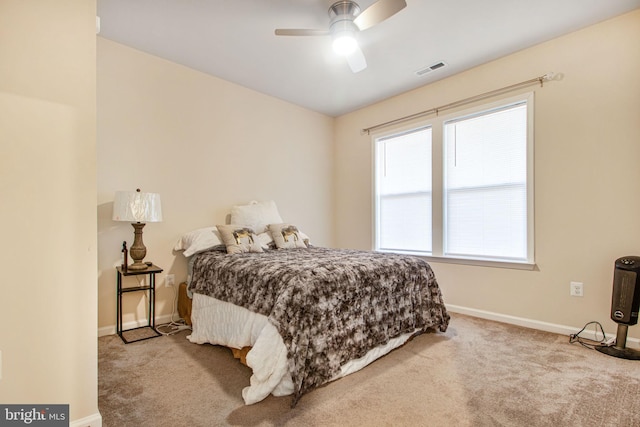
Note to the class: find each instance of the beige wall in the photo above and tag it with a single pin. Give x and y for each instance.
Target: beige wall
(48, 296)
(204, 144)
(587, 152)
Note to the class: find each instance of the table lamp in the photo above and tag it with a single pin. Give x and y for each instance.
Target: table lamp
(137, 208)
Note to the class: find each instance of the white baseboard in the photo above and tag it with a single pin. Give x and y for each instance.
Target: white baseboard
(111, 330)
(94, 420)
(530, 323)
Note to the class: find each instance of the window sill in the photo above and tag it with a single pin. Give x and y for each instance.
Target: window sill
(516, 265)
(483, 263)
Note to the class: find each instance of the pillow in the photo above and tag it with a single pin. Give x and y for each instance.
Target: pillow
(198, 240)
(305, 239)
(266, 241)
(256, 215)
(286, 236)
(239, 238)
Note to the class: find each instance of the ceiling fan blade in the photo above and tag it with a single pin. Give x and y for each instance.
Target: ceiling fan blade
(356, 60)
(378, 12)
(301, 32)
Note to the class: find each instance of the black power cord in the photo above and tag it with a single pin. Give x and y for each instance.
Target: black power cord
(589, 343)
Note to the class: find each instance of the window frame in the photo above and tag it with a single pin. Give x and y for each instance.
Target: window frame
(437, 170)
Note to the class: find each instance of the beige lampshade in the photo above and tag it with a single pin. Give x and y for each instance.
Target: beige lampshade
(135, 206)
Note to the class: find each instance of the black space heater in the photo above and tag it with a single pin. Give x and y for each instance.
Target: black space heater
(624, 306)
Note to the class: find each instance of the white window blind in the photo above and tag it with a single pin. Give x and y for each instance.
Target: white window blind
(403, 192)
(485, 185)
(479, 165)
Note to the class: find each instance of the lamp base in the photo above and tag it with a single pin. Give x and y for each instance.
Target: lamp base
(137, 266)
(137, 251)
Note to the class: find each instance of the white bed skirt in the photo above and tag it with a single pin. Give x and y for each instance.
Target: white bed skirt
(223, 323)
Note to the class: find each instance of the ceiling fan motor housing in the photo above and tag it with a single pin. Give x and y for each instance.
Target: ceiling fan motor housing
(344, 7)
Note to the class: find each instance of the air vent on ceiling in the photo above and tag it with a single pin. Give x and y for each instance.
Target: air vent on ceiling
(430, 68)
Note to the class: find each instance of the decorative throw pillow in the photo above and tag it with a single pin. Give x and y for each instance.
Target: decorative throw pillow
(239, 238)
(286, 236)
(256, 215)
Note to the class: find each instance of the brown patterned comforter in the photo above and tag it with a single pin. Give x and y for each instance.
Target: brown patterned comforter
(329, 305)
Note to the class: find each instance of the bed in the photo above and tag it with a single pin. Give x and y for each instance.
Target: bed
(309, 314)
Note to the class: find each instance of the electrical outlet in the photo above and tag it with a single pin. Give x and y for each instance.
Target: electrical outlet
(576, 289)
(169, 280)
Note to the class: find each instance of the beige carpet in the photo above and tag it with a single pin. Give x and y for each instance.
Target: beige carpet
(479, 373)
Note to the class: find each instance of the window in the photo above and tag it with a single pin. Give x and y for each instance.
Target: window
(479, 204)
(403, 202)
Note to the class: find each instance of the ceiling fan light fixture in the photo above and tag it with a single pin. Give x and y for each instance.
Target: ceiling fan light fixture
(344, 44)
(343, 32)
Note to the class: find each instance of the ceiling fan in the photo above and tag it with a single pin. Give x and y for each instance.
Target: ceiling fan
(346, 21)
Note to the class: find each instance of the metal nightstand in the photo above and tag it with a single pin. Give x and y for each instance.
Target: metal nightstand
(152, 270)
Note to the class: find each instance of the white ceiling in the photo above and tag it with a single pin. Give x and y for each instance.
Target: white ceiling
(234, 40)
